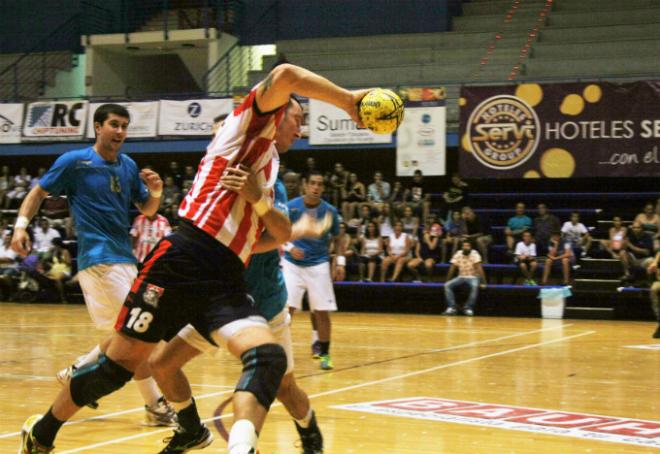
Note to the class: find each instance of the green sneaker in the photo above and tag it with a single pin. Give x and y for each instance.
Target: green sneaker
(29, 445)
(532, 282)
(326, 362)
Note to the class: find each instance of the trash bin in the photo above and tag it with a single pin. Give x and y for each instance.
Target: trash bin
(552, 301)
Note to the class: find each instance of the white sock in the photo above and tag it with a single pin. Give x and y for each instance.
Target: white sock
(149, 390)
(242, 437)
(88, 358)
(315, 336)
(178, 406)
(304, 423)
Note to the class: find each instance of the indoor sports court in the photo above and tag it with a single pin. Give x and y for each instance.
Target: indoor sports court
(401, 384)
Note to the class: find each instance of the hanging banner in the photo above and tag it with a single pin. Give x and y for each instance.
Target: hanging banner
(329, 125)
(11, 122)
(144, 118)
(55, 119)
(191, 118)
(561, 130)
(421, 137)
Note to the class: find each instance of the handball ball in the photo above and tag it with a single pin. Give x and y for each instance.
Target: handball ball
(381, 111)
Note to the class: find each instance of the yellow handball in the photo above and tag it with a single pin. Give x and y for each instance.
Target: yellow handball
(381, 111)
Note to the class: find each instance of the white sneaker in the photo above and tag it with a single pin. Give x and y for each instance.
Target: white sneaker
(468, 312)
(449, 311)
(160, 414)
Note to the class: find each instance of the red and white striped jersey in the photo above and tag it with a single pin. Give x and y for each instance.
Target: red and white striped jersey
(148, 233)
(245, 138)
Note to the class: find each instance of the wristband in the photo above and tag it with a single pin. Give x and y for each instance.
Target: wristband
(156, 194)
(262, 206)
(21, 222)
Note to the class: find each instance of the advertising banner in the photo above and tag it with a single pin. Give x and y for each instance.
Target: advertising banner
(55, 119)
(11, 122)
(567, 130)
(191, 118)
(329, 125)
(144, 118)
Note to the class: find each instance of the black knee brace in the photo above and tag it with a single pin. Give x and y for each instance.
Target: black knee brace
(263, 369)
(97, 380)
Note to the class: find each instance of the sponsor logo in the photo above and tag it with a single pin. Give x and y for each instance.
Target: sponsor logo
(6, 125)
(61, 119)
(152, 294)
(504, 132)
(194, 109)
(551, 422)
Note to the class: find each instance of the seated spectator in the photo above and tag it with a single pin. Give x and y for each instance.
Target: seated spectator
(378, 192)
(44, 235)
(342, 252)
(454, 231)
(477, 230)
(35, 180)
(188, 176)
(516, 225)
(544, 224)
(20, 185)
(386, 221)
(310, 166)
(616, 238)
(291, 182)
(364, 217)
(398, 253)
(417, 196)
(371, 251)
(560, 254)
(354, 194)
(525, 257)
(5, 183)
(174, 171)
(575, 233)
(638, 250)
(427, 251)
(654, 270)
(397, 198)
(410, 222)
(456, 196)
(58, 268)
(468, 263)
(8, 266)
(649, 219)
(337, 186)
(170, 199)
(146, 232)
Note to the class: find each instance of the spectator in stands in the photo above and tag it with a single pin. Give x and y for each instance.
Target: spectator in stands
(410, 222)
(617, 236)
(516, 225)
(638, 250)
(577, 235)
(292, 184)
(477, 230)
(354, 194)
(649, 219)
(456, 196)
(468, 263)
(44, 235)
(310, 166)
(560, 254)
(5, 183)
(174, 171)
(35, 180)
(171, 198)
(378, 192)
(397, 198)
(654, 270)
(525, 257)
(362, 220)
(417, 196)
(371, 251)
(342, 252)
(398, 249)
(427, 250)
(8, 266)
(386, 222)
(454, 231)
(544, 224)
(146, 231)
(58, 267)
(337, 186)
(20, 185)
(188, 176)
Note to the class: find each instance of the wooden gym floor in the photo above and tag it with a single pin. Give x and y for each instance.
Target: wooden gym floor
(575, 366)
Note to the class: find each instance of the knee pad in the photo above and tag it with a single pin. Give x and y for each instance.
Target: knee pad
(97, 380)
(263, 369)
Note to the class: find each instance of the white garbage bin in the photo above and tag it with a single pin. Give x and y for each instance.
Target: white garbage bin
(553, 301)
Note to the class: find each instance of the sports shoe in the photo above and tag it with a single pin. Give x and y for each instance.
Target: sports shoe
(532, 282)
(311, 438)
(160, 414)
(449, 311)
(183, 441)
(326, 362)
(64, 377)
(468, 312)
(316, 350)
(29, 445)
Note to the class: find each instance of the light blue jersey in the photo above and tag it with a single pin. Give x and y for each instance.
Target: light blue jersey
(264, 278)
(100, 194)
(315, 249)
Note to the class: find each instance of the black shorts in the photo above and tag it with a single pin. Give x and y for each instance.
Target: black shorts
(189, 277)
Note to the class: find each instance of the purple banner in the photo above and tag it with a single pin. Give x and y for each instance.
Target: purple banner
(561, 130)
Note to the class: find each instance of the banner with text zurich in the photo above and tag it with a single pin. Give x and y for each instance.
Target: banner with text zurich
(570, 130)
(191, 118)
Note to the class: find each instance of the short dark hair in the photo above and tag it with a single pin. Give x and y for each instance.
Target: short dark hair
(315, 172)
(103, 112)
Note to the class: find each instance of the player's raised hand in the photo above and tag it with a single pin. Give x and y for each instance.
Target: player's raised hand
(152, 180)
(242, 180)
(21, 243)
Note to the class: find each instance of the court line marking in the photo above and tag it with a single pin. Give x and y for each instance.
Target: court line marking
(347, 388)
(455, 347)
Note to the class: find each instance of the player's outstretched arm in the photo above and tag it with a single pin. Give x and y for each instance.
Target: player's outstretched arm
(284, 80)
(20, 242)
